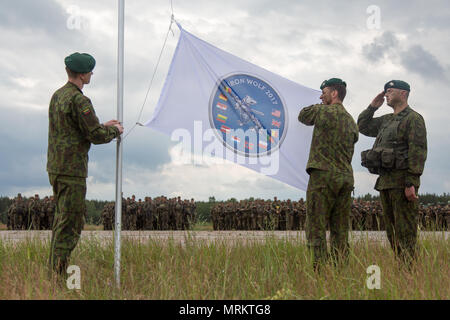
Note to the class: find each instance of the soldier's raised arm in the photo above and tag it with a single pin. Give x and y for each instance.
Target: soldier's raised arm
(90, 125)
(367, 124)
(309, 114)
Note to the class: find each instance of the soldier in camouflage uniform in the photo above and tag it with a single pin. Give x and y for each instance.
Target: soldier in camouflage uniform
(132, 213)
(18, 213)
(51, 211)
(106, 216)
(73, 126)
(148, 213)
(34, 212)
(398, 156)
(164, 214)
(301, 214)
(328, 197)
(44, 213)
(178, 214)
(193, 212)
(140, 215)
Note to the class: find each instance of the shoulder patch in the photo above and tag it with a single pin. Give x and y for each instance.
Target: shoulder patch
(86, 110)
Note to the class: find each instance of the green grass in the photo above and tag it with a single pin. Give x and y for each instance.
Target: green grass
(274, 269)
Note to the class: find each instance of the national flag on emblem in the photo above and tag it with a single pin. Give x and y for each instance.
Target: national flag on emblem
(274, 133)
(276, 113)
(221, 106)
(262, 144)
(225, 129)
(276, 123)
(196, 74)
(221, 118)
(248, 145)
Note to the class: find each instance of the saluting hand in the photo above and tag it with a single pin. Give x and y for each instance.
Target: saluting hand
(378, 100)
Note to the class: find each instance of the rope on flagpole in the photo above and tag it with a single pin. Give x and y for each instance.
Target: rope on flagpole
(172, 20)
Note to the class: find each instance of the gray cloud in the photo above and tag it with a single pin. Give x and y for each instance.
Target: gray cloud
(381, 46)
(415, 58)
(31, 14)
(422, 62)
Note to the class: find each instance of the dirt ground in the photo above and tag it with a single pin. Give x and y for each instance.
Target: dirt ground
(206, 236)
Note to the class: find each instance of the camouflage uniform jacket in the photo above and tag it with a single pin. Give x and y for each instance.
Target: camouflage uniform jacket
(73, 126)
(412, 131)
(334, 136)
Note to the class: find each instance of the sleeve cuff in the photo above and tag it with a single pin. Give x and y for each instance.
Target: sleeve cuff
(412, 179)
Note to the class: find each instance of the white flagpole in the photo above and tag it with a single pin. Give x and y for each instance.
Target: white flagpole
(118, 213)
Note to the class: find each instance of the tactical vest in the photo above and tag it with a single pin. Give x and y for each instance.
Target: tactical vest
(388, 152)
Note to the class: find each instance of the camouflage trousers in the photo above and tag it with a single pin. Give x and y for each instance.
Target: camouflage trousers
(328, 202)
(69, 193)
(401, 222)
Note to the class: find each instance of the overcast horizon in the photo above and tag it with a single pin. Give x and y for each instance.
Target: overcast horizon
(306, 42)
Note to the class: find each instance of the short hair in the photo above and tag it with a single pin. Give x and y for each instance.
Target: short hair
(341, 90)
(72, 74)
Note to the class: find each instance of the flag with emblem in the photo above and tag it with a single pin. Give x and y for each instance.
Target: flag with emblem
(212, 93)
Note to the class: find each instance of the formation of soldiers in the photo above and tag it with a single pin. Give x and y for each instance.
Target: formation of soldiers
(291, 215)
(31, 214)
(152, 214)
(176, 214)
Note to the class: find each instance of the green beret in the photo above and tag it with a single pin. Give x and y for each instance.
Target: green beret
(397, 84)
(332, 82)
(80, 62)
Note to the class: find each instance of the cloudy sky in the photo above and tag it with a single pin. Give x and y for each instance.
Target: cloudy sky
(304, 41)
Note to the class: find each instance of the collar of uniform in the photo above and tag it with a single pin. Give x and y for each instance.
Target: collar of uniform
(70, 84)
(404, 112)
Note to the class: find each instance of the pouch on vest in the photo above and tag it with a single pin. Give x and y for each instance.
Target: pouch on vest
(371, 159)
(401, 159)
(387, 158)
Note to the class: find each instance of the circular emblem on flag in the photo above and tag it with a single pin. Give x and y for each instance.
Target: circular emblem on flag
(249, 115)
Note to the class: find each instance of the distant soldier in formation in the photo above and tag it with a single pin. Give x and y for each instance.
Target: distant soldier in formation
(32, 213)
(365, 215)
(152, 214)
(431, 216)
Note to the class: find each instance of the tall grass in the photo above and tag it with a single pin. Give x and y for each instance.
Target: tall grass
(272, 269)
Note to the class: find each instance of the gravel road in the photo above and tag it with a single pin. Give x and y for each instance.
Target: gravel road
(206, 236)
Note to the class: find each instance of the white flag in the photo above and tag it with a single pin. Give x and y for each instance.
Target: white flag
(224, 106)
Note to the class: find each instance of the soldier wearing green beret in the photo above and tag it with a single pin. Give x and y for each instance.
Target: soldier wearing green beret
(328, 197)
(398, 157)
(73, 126)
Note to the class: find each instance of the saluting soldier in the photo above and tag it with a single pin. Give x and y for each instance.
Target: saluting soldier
(398, 157)
(328, 196)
